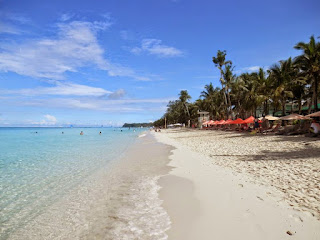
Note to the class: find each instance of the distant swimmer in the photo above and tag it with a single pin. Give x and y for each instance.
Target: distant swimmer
(81, 133)
(121, 130)
(100, 133)
(62, 133)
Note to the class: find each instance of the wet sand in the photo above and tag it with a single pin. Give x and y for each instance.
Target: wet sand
(120, 202)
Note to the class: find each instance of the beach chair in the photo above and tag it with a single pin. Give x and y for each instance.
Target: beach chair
(304, 128)
(273, 129)
(293, 130)
(285, 130)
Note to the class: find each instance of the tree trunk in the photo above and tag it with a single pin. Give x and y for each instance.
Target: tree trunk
(311, 102)
(316, 93)
(266, 112)
(229, 101)
(300, 105)
(283, 108)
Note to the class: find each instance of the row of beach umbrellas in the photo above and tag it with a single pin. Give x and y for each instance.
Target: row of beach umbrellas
(293, 116)
(230, 121)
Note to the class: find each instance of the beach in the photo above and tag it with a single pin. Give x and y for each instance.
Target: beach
(116, 198)
(227, 185)
(174, 184)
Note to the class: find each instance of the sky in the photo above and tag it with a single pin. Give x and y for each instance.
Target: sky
(93, 63)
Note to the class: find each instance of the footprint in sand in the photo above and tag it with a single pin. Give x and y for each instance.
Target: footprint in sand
(260, 198)
(296, 217)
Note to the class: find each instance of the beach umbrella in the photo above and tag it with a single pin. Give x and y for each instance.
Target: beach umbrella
(205, 123)
(229, 121)
(237, 121)
(271, 118)
(294, 116)
(221, 122)
(249, 120)
(316, 114)
(210, 122)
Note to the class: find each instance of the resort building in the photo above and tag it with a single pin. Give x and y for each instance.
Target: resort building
(203, 116)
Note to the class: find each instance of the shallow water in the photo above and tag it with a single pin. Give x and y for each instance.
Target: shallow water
(40, 167)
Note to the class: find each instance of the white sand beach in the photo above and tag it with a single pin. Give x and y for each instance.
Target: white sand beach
(237, 186)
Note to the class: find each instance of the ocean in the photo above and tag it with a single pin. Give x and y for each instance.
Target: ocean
(56, 183)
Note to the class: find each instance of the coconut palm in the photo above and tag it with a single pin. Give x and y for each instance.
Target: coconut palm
(212, 100)
(283, 74)
(220, 61)
(309, 64)
(184, 97)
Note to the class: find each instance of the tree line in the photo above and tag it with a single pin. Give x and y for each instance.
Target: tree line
(291, 81)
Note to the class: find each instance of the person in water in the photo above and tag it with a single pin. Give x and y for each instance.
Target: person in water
(81, 133)
(100, 133)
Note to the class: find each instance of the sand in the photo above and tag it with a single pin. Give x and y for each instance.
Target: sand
(120, 202)
(227, 185)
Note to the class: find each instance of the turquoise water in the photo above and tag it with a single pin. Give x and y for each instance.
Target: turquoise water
(39, 165)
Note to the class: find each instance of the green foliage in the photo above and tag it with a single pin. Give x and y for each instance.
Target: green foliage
(137, 125)
(286, 82)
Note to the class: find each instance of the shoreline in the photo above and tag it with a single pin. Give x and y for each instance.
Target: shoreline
(223, 203)
(117, 203)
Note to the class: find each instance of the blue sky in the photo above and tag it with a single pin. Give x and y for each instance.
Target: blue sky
(110, 62)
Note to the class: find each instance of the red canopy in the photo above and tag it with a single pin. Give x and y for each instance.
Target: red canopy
(221, 122)
(205, 123)
(237, 121)
(211, 122)
(229, 121)
(249, 120)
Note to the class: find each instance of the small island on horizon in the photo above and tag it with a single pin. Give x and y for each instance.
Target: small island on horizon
(136, 125)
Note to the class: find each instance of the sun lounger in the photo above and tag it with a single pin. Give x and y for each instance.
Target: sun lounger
(273, 129)
(285, 130)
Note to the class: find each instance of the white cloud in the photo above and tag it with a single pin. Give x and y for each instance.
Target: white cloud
(207, 77)
(8, 22)
(67, 89)
(8, 28)
(154, 47)
(50, 118)
(66, 16)
(74, 46)
(48, 121)
(117, 94)
(98, 104)
(248, 69)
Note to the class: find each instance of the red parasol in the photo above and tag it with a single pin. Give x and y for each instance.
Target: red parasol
(249, 120)
(237, 121)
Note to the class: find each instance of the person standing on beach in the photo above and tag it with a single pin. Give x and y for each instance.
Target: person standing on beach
(256, 124)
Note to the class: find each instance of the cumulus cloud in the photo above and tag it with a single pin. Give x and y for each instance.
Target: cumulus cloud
(74, 46)
(154, 47)
(48, 120)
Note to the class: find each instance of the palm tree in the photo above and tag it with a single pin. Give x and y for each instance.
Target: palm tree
(212, 100)
(283, 75)
(220, 61)
(309, 63)
(264, 89)
(184, 97)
